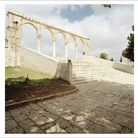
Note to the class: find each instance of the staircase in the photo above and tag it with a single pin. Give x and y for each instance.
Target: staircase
(88, 71)
(84, 72)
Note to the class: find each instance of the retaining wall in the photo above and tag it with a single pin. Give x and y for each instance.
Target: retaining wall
(116, 65)
(37, 61)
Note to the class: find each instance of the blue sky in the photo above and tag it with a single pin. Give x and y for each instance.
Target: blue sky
(78, 14)
(107, 28)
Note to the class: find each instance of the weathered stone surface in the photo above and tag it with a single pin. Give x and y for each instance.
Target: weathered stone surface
(24, 110)
(113, 126)
(15, 112)
(10, 124)
(50, 115)
(74, 130)
(98, 129)
(26, 124)
(8, 118)
(81, 122)
(68, 116)
(35, 129)
(124, 121)
(20, 118)
(7, 113)
(34, 106)
(16, 130)
(93, 118)
(122, 108)
(102, 113)
(126, 130)
(62, 123)
(47, 126)
(55, 129)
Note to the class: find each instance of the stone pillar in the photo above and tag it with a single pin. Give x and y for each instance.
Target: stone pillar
(87, 50)
(54, 47)
(14, 45)
(76, 54)
(66, 49)
(38, 41)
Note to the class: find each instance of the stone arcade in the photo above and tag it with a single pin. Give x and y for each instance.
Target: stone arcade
(17, 20)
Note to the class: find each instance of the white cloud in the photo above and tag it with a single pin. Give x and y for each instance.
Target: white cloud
(107, 28)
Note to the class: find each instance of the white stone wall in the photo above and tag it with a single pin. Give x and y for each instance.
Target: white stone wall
(128, 61)
(129, 68)
(37, 61)
(124, 67)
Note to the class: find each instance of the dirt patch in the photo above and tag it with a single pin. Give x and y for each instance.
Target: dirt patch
(13, 94)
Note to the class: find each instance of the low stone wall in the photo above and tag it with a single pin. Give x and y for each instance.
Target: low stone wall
(116, 65)
(124, 67)
(37, 61)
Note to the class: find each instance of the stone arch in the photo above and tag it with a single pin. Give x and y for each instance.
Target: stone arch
(15, 22)
(74, 38)
(63, 34)
(31, 34)
(50, 30)
(82, 41)
(60, 40)
(46, 42)
(71, 47)
(31, 24)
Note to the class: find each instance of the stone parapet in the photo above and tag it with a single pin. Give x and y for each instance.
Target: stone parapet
(37, 61)
(116, 65)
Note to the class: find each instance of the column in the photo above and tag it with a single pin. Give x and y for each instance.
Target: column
(66, 49)
(12, 42)
(87, 50)
(54, 47)
(38, 41)
(76, 56)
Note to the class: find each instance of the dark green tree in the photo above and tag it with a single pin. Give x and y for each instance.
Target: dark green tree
(107, 5)
(104, 55)
(129, 51)
(121, 59)
(111, 59)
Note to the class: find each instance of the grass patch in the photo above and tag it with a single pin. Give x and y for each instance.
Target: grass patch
(16, 72)
(21, 77)
(19, 87)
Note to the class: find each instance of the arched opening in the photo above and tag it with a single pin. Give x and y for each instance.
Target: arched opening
(80, 50)
(60, 46)
(46, 43)
(29, 36)
(71, 48)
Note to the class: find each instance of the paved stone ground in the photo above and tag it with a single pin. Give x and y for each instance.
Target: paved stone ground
(98, 107)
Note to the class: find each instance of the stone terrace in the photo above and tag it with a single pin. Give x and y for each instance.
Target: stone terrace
(98, 107)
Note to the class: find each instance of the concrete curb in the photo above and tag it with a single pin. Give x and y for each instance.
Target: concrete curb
(17, 104)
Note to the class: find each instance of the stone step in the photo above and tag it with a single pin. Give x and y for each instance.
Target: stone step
(84, 72)
(79, 82)
(78, 79)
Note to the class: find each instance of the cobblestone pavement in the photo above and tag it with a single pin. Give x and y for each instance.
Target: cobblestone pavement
(98, 107)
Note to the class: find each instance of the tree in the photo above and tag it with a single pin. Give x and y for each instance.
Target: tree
(111, 59)
(107, 5)
(121, 59)
(104, 55)
(129, 51)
